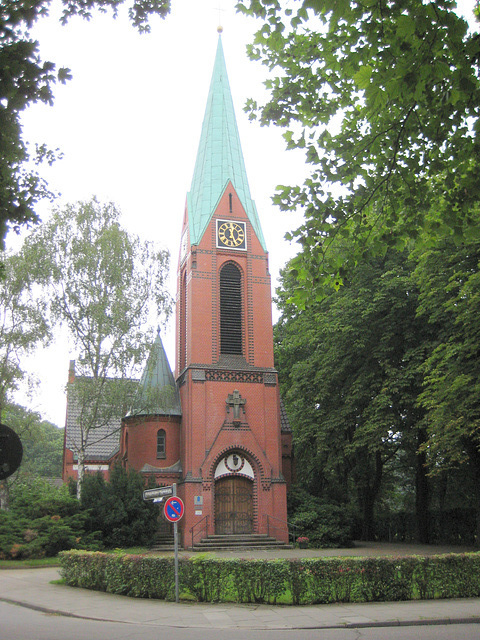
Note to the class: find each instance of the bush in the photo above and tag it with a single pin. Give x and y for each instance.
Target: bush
(325, 525)
(35, 498)
(116, 509)
(42, 521)
(310, 581)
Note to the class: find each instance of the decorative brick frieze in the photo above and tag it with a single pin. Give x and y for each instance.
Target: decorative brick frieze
(219, 375)
(270, 378)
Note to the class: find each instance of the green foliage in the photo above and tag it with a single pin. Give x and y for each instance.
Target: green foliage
(41, 440)
(42, 521)
(381, 383)
(386, 105)
(449, 277)
(103, 284)
(116, 509)
(23, 318)
(27, 79)
(35, 498)
(325, 525)
(350, 377)
(309, 581)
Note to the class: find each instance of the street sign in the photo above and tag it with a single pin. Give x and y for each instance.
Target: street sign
(174, 509)
(158, 492)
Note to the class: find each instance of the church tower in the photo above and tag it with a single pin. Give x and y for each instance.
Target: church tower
(230, 439)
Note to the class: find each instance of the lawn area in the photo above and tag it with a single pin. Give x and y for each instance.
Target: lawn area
(31, 563)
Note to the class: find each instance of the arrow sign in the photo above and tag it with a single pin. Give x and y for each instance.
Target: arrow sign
(174, 509)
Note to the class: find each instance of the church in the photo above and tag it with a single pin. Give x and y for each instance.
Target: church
(221, 433)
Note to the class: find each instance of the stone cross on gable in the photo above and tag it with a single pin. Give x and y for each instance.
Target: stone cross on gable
(236, 401)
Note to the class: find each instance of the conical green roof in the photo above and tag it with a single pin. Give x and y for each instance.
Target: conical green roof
(158, 391)
(219, 158)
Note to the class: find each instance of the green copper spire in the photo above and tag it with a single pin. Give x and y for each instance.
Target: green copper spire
(158, 391)
(219, 158)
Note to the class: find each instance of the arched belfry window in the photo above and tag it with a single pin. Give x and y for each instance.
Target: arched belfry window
(231, 310)
(161, 444)
(182, 359)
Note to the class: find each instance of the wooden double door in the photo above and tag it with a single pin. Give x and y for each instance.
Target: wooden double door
(233, 506)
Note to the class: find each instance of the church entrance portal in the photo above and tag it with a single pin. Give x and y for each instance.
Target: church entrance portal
(233, 506)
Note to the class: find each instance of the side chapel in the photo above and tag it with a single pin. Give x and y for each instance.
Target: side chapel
(222, 436)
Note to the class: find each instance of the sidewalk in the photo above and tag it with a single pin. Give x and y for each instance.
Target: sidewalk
(32, 588)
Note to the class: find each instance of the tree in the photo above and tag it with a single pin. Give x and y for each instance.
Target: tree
(23, 322)
(26, 79)
(350, 370)
(106, 286)
(385, 99)
(116, 509)
(449, 280)
(42, 442)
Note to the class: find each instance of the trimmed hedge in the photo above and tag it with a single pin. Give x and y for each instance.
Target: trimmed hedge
(308, 581)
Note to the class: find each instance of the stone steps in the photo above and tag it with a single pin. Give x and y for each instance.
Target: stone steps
(238, 542)
(163, 543)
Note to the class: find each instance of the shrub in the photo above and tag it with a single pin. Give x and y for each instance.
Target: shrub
(116, 509)
(35, 498)
(324, 525)
(24, 536)
(309, 581)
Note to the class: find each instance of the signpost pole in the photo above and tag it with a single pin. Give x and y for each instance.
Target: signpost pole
(175, 542)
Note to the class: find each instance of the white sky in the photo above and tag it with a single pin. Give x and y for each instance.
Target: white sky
(129, 123)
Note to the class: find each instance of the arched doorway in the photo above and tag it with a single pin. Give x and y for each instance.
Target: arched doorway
(233, 505)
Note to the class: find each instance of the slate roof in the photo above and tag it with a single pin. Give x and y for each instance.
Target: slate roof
(157, 384)
(102, 444)
(219, 158)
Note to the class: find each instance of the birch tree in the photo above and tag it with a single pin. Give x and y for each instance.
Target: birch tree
(108, 287)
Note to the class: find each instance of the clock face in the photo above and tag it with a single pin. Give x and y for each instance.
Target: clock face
(231, 234)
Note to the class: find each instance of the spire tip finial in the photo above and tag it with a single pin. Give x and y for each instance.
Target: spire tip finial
(220, 29)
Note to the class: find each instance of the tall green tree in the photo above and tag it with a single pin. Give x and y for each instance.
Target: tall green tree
(384, 97)
(108, 288)
(116, 509)
(449, 281)
(350, 369)
(26, 79)
(23, 322)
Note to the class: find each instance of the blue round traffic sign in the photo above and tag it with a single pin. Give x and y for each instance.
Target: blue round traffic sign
(173, 509)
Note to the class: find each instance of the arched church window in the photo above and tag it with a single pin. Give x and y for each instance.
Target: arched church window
(161, 444)
(231, 310)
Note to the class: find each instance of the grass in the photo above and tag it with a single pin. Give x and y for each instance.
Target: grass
(31, 563)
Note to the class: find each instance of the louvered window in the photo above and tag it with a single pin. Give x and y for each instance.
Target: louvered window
(183, 323)
(230, 310)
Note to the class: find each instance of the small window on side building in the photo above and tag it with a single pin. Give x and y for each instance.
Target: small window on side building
(161, 444)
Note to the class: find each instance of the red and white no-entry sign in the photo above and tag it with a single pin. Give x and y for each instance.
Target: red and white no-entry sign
(174, 509)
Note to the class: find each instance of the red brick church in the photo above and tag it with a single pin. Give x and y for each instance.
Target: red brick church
(222, 436)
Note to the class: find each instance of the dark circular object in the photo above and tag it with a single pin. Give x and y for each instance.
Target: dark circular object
(11, 451)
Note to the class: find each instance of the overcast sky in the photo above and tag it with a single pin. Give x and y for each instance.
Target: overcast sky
(128, 124)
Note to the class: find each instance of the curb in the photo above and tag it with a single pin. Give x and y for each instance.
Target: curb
(347, 625)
